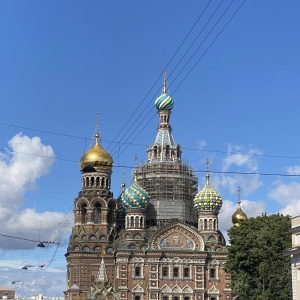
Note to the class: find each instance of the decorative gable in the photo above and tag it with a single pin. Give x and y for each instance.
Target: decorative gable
(177, 236)
(213, 290)
(176, 289)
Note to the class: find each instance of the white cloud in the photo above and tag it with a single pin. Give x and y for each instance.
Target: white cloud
(250, 208)
(239, 161)
(201, 144)
(288, 195)
(294, 170)
(21, 166)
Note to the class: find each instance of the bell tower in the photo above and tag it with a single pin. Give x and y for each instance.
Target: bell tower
(95, 220)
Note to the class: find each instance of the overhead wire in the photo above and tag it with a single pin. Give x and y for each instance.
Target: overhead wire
(222, 15)
(155, 82)
(144, 119)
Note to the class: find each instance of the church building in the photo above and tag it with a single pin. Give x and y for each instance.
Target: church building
(159, 240)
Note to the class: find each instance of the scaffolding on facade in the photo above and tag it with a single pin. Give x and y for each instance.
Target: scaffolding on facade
(172, 187)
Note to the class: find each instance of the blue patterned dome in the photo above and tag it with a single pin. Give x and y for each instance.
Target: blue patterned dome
(208, 199)
(135, 196)
(164, 102)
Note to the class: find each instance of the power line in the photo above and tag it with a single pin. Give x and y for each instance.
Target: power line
(153, 85)
(190, 60)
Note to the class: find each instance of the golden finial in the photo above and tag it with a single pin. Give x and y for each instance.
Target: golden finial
(239, 196)
(97, 128)
(165, 82)
(207, 172)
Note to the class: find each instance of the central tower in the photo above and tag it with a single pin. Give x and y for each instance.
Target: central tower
(170, 182)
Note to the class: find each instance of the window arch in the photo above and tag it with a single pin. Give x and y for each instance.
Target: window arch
(97, 213)
(83, 212)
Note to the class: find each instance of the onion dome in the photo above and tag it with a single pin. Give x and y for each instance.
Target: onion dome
(239, 216)
(164, 101)
(96, 158)
(135, 196)
(207, 199)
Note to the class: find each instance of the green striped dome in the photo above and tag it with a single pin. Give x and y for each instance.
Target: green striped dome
(208, 199)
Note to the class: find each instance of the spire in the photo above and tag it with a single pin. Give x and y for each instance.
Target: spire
(123, 185)
(207, 171)
(239, 197)
(101, 275)
(97, 135)
(164, 89)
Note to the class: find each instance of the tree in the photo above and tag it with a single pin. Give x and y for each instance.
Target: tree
(258, 268)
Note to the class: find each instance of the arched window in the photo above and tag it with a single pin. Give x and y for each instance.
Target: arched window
(178, 152)
(97, 181)
(97, 213)
(102, 181)
(205, 224)
(111, 214)
(83, 213)
(132, 222)
(167, 151)
(92, 181)
(141, 222)
(155, 151)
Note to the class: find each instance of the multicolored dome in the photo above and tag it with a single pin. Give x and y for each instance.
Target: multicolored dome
(96, 157)
(164, 102)
(135, 196)
(208, 199)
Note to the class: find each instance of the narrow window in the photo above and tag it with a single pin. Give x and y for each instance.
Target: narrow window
(97, 213)
(137, 271)
(83, 213)
(205, 224)
(212, 273)
(186, 298)
(137, 297)
(186, 272)
(176, 298)
(175, 272)
(165, 271)
(165, 297)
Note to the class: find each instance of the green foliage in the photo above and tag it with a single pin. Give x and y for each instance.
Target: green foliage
(258, 268)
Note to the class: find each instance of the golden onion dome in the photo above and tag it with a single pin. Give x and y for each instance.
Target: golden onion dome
(239, 216)
(96, 157)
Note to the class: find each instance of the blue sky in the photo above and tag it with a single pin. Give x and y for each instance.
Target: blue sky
(236, 102)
